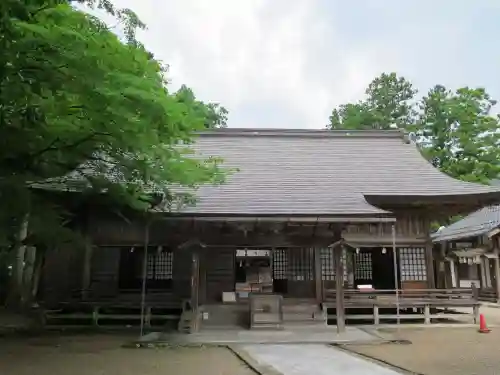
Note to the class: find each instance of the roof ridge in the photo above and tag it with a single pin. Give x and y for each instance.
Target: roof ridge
(306, 133)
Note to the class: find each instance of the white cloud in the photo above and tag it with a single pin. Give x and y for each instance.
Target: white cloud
(259, 58)
(287, 63)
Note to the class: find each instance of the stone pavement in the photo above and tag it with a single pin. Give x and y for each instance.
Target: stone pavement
(315, 359)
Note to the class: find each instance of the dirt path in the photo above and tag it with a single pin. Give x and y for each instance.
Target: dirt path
(441, 351)
(102, 355)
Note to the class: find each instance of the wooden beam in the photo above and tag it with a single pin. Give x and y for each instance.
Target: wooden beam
(339, 290)
(217, 239)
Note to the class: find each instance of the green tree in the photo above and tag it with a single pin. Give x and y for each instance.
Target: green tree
(388, 101)
(458, 133)
(214, 114)
(80, 108)
(455, 130)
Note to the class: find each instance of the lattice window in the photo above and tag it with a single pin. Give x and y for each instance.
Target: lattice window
(280, 264)
(412, 263)
(300, 265)
(327, 266)
(363, 266)
(160, 265)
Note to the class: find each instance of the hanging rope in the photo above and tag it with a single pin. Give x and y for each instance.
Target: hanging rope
(396, 280)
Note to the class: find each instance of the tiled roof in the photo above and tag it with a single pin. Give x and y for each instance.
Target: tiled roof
(475, 224)
(317, 172)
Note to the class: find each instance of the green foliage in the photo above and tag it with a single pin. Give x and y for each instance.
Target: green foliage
(81, 108)
(458, 133)
(388, 102)
(455, 130)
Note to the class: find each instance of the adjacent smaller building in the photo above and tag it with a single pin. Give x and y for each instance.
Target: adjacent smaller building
(469, 251)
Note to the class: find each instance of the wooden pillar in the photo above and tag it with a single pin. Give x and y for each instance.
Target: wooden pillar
(318, 277)
(496, 269)
(195, 280)
(482, 271)
(454, 280)
(487, 272)
(87, 268)
(339, 292)
(429, 259)
(441, 281)
(29, 268)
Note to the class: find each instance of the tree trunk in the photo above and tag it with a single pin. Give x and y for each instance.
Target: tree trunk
(37, 273)
(16, 283)
(29, 267)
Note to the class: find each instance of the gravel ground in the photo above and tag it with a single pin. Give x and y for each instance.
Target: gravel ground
(440, 351)
(102, 355)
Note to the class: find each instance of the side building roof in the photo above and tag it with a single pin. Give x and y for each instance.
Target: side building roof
(477, 223)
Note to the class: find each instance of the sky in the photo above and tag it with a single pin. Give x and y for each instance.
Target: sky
(288, 63)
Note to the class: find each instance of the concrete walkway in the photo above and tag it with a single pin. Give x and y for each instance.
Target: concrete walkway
(313, 359)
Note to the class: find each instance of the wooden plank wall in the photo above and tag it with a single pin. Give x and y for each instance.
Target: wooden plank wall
(182, 267)
(61, 274)
(219, 272)
(104, 272)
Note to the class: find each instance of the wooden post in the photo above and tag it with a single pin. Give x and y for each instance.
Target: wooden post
(147, 318)
(318, 277)
(29, 268)
(475, 297)
(95, 316)
(429, 259)
(454, 283)
(339, 283)
(16, 288)
(442, 274)
(195, 281)
(482, 271)
(86, 272)
(376, 315)
(475, 291)
(496, 267)
(427, 314)
(487, 272)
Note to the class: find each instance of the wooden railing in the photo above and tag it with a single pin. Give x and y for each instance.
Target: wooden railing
(488, 295)
(405, 295)
(426, 304)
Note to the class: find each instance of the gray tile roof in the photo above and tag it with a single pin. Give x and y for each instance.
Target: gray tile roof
(317, 172)
(476, 224)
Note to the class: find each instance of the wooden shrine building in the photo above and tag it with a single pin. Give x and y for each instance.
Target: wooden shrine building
(303, 207)
(470, 249)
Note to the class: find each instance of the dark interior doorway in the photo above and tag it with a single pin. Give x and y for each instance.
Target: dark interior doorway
(383, 268)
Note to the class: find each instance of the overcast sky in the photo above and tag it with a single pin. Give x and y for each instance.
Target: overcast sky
(287, 63)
